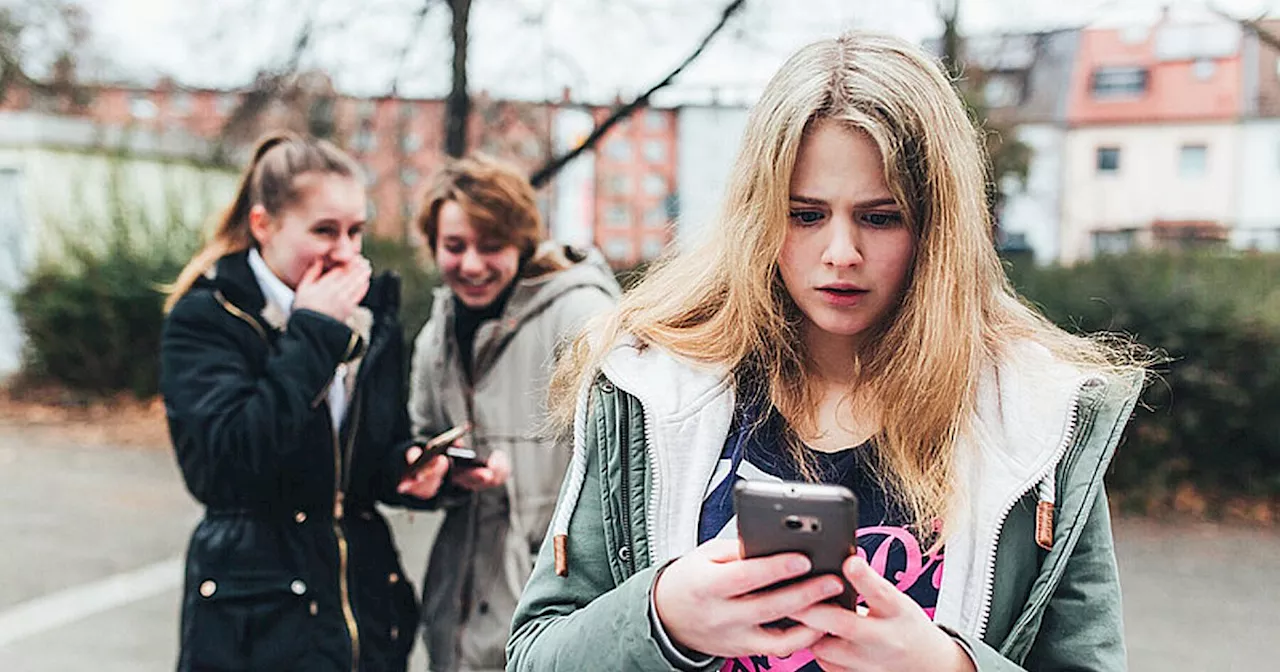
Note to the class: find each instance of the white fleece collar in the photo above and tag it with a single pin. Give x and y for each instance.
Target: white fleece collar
(1026, 410)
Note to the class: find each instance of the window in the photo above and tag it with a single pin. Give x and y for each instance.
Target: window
(618, 249)
(655, 185)
(617, 216)
(1015, 242)
(409, 177)
(1203, 68)
(1108, 160)
(651, 249)
(1113, 242)
(1001, 91)
(656, 217)
(370, 176)
(619, 185)
(365, 141)
(1193, 160)
(655, 151)
(618, 150)
(655, 120)
(180, 104)
(411, 142)
(141, 107)
(1122, 82)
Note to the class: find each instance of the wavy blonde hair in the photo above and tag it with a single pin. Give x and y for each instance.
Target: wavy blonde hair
(722, 302)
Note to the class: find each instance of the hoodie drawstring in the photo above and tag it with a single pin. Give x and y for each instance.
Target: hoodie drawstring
(576, 478)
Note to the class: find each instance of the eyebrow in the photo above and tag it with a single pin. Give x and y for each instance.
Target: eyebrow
(874, 203)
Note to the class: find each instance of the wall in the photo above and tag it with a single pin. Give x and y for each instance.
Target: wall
(1148, 186)
(708, 143)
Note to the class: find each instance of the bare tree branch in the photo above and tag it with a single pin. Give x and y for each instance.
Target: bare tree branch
(457, 106)
(419, 17)
(1249, 25)
(548, 171)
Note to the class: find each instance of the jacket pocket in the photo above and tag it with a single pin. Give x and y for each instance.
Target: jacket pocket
(247, 622)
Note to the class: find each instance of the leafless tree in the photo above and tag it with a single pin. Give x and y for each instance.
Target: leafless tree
(42, 43)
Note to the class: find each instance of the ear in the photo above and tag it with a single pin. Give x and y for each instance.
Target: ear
(260, 224)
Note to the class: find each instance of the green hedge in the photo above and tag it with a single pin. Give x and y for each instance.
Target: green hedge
(92, 317)
(417, 282)
(1212, 420)
(92, 322)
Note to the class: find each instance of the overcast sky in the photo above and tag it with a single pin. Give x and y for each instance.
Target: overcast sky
(535, 48)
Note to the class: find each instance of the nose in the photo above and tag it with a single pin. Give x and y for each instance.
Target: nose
(346, 249)
(842, 248)
(471, 263)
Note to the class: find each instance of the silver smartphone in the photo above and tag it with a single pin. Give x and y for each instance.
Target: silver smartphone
(814, 519)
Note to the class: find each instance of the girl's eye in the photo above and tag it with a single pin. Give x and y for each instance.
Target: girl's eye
(326, 231)
(455, 249)
(883, 220)
(804, 217)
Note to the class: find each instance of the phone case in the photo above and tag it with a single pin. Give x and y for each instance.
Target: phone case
(438, 445)
(817, 520)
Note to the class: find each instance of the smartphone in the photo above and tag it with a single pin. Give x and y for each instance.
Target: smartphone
(437, 445)
(464, 458)
(814, 519)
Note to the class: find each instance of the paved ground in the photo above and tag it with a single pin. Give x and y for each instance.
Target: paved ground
(93, 537)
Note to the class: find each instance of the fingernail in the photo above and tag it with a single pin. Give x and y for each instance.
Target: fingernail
(798, 565)
(832, 587)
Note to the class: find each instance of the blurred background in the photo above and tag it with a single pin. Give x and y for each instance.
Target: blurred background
(1135, 164)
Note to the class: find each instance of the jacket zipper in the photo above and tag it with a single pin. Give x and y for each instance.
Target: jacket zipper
(988, 569)
(344, 590)
(338, 476)
(1068, 462)
(343, 478)
(627, 552)
(234, 310)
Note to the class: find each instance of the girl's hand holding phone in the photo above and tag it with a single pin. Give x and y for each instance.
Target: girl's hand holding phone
(714, 602)
(494, 473)
(335, 292)
(425, 482)
(894, 633)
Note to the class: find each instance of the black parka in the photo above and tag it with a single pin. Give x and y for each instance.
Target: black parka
(292, 567)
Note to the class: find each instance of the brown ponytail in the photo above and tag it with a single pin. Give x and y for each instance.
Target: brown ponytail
(278, 159)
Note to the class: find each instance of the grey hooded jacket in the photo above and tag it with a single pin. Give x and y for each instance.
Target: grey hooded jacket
(487, 545)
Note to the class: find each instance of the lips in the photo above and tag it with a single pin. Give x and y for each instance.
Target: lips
(842, 295)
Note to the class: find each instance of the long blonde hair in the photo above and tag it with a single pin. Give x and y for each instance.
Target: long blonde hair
(723, 302)
(268, 180)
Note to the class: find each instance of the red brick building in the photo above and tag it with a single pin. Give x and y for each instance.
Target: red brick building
(399, 143)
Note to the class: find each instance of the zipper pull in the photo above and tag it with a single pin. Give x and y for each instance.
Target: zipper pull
(1044, 511)
(337, 504)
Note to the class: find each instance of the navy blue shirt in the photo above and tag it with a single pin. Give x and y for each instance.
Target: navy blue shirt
(756, 451)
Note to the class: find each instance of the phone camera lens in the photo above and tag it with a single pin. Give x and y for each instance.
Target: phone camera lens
(792, 523)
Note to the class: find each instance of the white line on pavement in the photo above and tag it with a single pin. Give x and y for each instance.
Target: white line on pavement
(72, 604)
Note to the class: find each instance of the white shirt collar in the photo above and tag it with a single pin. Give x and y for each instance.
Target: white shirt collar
(273, 288)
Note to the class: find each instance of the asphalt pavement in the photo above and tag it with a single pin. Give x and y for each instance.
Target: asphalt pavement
(93, 538)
